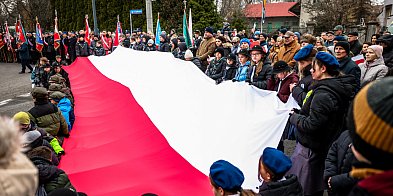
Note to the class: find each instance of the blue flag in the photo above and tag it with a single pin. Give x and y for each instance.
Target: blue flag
(158, 31)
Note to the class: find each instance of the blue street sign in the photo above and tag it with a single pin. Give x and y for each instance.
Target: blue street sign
(136, 11)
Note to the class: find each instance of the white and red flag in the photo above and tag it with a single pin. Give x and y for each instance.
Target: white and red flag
(56, 35)
(158, 128)
(118, 33)
(87, 31)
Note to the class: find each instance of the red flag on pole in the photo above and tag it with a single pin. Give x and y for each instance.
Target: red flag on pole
(87, 32)
(118, 32)
(56, 35)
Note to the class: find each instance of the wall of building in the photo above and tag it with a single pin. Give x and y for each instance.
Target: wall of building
(384, 18)
(272, 24)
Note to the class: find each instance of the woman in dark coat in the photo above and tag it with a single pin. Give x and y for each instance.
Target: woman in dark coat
(320, 121)
(304, 59)
(338, 164)
(260, 69)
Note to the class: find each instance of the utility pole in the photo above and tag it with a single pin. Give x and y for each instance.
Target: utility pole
(149, 16)
(96, 32)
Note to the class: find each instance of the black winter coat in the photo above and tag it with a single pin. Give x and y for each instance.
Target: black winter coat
(150, 48)
(388, 51)
(356, 47)
(164, 47)
(230, 72)
(82, 49)
(321, 118)
(216, 68)
(260, 79)
(299, 92)
(338, 164)
(99, 51)
(72, 48)
(349, 67)
(289, 187)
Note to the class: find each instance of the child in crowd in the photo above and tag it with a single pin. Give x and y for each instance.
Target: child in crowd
(273, 165)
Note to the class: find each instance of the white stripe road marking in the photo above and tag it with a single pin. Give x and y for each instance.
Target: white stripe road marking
(5, 102)
(24, 95)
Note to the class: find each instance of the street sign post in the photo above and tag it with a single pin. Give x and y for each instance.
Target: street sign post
(135, 12)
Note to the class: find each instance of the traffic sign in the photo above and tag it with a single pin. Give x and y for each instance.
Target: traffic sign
(136, 11)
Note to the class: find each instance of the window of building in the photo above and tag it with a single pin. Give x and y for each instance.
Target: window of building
(388, 10)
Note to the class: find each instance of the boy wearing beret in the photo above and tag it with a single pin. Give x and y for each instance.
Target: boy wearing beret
(227, 179)
(273, 165)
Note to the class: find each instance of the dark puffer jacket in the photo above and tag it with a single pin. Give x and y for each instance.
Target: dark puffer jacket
(321, 119)
(259, 79)
(290, 186)
(47, 116)
(338, 164)
(349, 67)
(216, 68)
(230, 72)
(299, 92)
(50, 176)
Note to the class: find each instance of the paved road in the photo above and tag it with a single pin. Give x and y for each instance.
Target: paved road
(14, 90)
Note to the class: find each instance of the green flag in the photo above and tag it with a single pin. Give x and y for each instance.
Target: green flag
(185, 31)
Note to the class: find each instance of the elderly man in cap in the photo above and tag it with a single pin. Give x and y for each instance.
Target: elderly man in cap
(46, 115)
(356, 47)
(288, 51)
(339, 30)
(207, 47)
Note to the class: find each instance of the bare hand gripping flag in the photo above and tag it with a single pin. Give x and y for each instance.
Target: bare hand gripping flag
(147, 122)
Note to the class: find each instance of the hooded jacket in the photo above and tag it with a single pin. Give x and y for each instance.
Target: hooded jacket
(321, 118)
(47, 116)
(370, 71)
(65, 107)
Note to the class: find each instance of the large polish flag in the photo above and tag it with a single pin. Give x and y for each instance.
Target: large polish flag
(149, 123)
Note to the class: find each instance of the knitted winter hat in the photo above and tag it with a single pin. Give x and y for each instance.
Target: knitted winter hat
(32, 138)
(345, 45)
(377, 49)
(22, 118)
(371, 123)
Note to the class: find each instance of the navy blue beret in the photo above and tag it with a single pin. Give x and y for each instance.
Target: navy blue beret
(340, 38)
(327, 59)
(276, 161)
(226, 175)
(304, 52)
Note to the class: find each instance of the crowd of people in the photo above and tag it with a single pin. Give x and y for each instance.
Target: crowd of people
(343, 129)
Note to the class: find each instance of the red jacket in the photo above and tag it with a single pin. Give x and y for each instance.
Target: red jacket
(284, 92)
